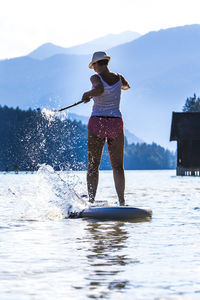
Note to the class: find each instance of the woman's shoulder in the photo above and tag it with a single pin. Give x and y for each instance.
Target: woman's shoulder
(120, 76)
(116, 75)
(95, 77)
(95, 80)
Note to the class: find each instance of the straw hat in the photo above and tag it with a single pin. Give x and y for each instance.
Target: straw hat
(100, 55)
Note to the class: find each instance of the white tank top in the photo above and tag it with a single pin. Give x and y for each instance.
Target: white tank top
(108, 103)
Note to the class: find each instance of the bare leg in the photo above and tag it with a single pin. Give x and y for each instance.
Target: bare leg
(116, 152)
(95, 149)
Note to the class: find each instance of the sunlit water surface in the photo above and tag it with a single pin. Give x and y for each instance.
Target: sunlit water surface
(47, 256)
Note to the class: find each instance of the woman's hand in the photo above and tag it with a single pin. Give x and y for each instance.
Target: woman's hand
(86, 97)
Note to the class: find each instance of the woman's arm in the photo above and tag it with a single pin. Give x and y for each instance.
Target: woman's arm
(97, 90)
(125, 84)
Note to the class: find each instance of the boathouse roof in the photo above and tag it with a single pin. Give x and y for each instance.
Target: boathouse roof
(185, 126)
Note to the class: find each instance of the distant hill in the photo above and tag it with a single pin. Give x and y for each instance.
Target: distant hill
(103, 43)
(163, 69)
(132, 138)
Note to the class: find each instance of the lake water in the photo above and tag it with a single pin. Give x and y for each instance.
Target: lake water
(45, 256)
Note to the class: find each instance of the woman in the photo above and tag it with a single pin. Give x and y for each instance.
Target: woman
(105, 123)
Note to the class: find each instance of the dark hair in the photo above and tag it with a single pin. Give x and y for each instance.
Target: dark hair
(103, 62)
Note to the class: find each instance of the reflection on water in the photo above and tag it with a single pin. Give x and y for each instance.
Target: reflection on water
(106, 259)
(56, 258)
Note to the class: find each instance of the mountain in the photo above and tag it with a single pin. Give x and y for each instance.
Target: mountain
(103, 43)
(58, 80)
(162, 67)
(132, 138)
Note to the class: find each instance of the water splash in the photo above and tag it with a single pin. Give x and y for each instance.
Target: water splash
(56, 195)
(51, 115)
(48, 114)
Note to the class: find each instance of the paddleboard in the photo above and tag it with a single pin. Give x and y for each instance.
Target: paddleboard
(121, 213)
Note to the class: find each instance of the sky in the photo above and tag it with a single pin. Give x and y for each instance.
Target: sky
(27, 24)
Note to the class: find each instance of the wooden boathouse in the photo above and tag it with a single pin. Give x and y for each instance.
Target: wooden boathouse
(185, 129)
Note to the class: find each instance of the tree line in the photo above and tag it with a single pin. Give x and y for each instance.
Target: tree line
(29, 138)
(192, 104)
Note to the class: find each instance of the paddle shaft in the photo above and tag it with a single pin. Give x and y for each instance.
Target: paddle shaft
(67, 107)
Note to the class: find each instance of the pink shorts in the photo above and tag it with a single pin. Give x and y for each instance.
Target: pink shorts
(103, 127)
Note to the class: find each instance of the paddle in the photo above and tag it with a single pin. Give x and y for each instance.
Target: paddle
(67, 107)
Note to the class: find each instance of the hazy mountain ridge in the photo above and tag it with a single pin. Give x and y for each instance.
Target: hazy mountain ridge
(163, 69)
(103, 43)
